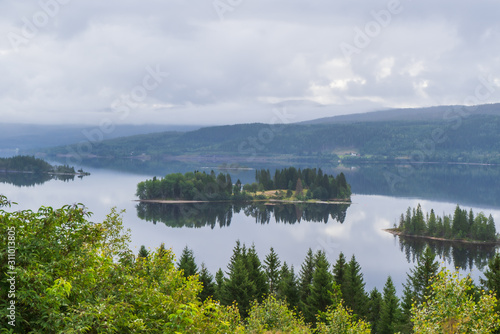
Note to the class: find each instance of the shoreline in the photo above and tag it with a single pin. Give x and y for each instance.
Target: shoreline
(469, 242)
(268, 201)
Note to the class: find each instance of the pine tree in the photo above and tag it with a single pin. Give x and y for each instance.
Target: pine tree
(272, 269)
(374, 309)
(238, 287)
(305, 279)
(322, 289)
(208, 283)
(432, 224)
(143, 252)
(418, 281)
(219, 285)
(355, 295)
(287, 287)
(339, 273)
(256, 274)
(187, 263)
(390, 311)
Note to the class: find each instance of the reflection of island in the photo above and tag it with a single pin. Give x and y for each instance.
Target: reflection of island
(463, 256)
(31, 171)
(212, 214)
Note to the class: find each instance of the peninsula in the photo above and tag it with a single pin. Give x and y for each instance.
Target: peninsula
(462, 226)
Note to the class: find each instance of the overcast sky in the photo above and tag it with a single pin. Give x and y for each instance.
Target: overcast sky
(233, 61)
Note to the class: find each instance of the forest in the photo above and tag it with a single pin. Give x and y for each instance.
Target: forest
(67, 274)
(462, 225)
(470, 139)
(306, 184)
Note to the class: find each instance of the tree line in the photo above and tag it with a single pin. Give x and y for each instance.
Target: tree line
(303, 184)
(462, 225)
(76, 276)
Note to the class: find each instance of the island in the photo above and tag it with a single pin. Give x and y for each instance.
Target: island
(32, 165)
(462, 226)
(285, 185)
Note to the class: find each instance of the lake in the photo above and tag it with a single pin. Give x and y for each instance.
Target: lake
(380, 194)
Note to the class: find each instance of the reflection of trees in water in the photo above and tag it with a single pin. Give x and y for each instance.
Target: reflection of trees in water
(213, 214)
(461, 255)
(32, 179)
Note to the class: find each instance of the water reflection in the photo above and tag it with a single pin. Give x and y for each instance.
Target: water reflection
(461, 255)
(220, 214)
(32, 179)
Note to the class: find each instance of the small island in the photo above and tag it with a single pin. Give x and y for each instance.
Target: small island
(286, 185)
(463, 226)
(32, 165)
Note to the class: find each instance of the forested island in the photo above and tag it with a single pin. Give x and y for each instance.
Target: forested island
(462, 226)
(288, 184)
(30, 164)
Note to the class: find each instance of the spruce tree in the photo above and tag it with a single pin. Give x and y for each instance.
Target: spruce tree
(390, 311)
(208, 283)
(491, 282)
(305, 279)
(355, 295)
(256, 274)
(374, 307)
(219, 285)
(143, 252)
(287, 287)
(187, 263)
(322, 288)
(339, 273)
(272, 270)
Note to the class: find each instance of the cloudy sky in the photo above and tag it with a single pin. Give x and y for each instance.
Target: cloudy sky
(232, 61)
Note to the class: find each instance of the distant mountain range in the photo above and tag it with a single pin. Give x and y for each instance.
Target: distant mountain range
(436, 134)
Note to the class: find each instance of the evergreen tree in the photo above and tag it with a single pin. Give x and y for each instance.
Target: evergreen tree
(187, 262)
(432, 224)
(374, 309)
(339, 273)
(418, 282)
(208, 283)
(256, 274)
(219, 285)
(143, 252)
(390, 311)
(322, 289)
(491, 282)
(355, 295)
(238, 287)
(272, 270)
(287, 287)
(305, 279)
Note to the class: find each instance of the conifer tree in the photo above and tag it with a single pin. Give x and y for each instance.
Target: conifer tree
(491, 282)
(272, 270)
(219, 285)
(143, 252)
(339, 273)
(355, 295)
(287, 287)
(390, 311)
(374, 308)
(256, 274)
(208, 283)
(305, 279)
(187, 262)
(323, 292)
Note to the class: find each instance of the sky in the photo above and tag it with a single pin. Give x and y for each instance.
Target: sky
(210, 62)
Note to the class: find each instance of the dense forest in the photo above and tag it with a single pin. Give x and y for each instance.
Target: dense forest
(459, 139)
(462, 225)
(306, 184)
(66, 274)
(30, 164)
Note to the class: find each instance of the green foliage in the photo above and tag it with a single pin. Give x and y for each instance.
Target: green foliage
(491, 282)
(340, 320)
(453, 309)
(390, 313)
(273, 315)
(354, 293)
(187, 263)
(272, 266)
(463, 225)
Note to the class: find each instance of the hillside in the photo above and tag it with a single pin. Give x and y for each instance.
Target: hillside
(472, 139)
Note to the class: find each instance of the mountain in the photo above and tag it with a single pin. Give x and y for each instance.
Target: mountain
(438, 113)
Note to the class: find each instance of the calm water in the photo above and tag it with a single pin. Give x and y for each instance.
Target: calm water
(212, 232)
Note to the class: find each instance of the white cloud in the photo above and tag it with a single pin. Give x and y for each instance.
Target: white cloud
(88, 54)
